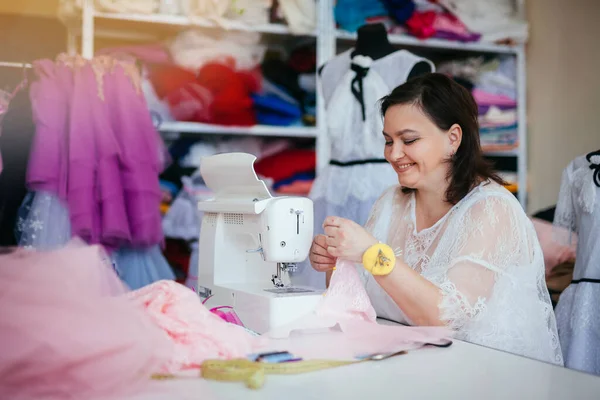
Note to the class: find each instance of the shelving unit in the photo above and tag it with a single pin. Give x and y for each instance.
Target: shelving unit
(256, 130)
(91, 24)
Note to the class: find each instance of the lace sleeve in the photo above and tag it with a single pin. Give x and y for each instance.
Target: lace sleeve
(489, 240)
(378, 222)
(564, 216)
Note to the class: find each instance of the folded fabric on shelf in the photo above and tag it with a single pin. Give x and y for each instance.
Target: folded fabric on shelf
(352, 14)
(495, 20)
(193, 48)
(286, 163)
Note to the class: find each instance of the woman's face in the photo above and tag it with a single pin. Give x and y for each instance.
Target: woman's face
(417, 149)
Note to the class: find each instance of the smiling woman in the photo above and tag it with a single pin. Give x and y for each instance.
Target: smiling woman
(462, 251)
(433, 133)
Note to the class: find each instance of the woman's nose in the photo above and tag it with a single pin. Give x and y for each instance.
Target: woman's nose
(397, 151)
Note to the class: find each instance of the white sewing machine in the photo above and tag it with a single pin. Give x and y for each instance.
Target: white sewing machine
(249, 242)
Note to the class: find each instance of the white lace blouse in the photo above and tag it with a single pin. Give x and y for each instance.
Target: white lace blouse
(485, 257)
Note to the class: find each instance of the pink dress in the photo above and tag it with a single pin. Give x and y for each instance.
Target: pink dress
(96, 149)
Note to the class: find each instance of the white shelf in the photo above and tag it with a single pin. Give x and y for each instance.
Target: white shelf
(256, 130)
(438, 43)
(181, 21)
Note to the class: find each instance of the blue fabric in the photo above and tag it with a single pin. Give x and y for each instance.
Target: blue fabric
(498, 129)
(266, 118)
(170, 186)
(273, 110)
(352, 14)
(302, 176)
(400, 10)
(141, 267)
(275, 104)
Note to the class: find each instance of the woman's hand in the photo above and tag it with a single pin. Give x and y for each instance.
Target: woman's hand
(347, 239)
(319, 258)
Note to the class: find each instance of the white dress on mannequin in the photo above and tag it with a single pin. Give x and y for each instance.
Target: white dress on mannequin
(358, 173)
(578, 309)
(485, 258)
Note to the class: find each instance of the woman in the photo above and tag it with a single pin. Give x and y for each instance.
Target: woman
(464, 253)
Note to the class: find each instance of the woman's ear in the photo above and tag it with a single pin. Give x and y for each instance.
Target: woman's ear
(455, 137)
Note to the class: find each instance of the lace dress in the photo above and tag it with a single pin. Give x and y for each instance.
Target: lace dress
(577, 311)
(485, 257)
(357, 173)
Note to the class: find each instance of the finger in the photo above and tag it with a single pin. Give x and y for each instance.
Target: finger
(321, 241)
(332, 242)
(333, 251)
(332, 221)
(331, 231)
(321, 251)
(323, 267)
(322, 259)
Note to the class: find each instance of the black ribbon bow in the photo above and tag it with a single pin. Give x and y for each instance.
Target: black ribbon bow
(357, 85)
(594, 167)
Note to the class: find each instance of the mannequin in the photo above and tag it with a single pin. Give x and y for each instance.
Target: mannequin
(352, 83)
(578, 210)
(372, 41)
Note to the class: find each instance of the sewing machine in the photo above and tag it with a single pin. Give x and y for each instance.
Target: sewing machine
(249, 243)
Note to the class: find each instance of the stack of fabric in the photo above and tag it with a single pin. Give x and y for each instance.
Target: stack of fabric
(496, 96)
(460, 20)
(292, 171)
(228, 78)
(493, 85)
(288, 94)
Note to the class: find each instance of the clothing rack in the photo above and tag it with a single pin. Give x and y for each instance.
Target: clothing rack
(15, 64)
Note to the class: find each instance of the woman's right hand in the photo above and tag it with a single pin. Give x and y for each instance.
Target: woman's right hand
(319, 258)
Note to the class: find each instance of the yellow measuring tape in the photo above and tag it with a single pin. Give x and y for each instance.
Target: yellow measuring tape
(253, 373)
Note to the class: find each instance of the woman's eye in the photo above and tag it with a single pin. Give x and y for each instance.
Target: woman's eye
(388, 143)
(407, 142)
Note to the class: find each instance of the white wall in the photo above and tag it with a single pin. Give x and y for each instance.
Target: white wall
(563, 90)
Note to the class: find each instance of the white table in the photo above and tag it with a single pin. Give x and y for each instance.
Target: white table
(462, 371)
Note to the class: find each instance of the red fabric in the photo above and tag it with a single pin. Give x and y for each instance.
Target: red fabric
(420, 24)
(231, 90)
(191, 102)
(217, 95)
(286, 164)
(168, 78)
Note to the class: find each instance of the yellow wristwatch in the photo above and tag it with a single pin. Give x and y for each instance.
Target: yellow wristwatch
(379, 259)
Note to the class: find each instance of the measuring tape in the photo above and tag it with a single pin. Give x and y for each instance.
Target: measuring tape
(253, 373)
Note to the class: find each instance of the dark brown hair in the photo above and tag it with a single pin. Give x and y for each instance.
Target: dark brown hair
(446, 103)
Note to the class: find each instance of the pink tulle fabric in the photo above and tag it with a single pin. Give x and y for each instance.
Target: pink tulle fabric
(346, 317)
(67, 331)
(554, 253)
(70, 330)
(196, 333)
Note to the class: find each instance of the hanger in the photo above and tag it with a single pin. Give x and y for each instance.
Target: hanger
(24, 81)
(594, 167)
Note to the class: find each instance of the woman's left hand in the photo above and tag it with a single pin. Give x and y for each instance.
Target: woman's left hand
(346, 239)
